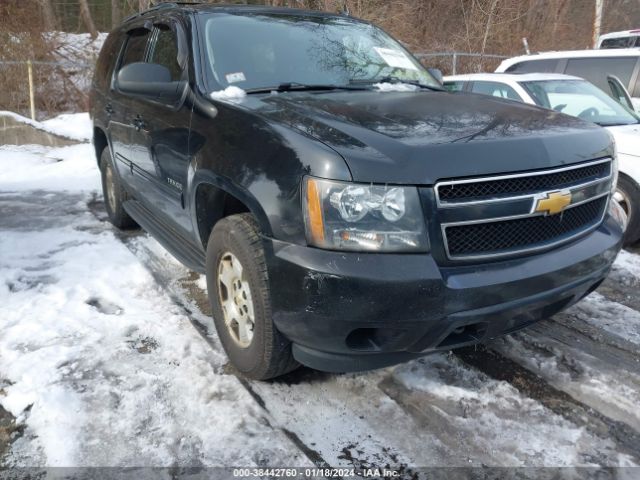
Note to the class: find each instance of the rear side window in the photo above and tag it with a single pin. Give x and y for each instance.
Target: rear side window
(636, 90)
(107, 58)
(622, 42)
(454, 86)
(533, 66)
(596, 70)
(165, 52)
(136, 47)
(495, 89)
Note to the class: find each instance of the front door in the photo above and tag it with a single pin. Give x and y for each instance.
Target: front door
(160, 137)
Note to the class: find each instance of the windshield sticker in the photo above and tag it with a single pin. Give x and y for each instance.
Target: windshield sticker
(395, 58)
(235, 77)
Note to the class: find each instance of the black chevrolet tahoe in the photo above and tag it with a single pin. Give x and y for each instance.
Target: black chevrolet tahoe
(347, 212)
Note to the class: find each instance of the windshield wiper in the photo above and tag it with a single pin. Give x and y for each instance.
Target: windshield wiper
(390, 79)
(300, 87)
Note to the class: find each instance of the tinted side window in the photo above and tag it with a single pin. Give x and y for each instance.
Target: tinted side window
(532, 66)
(596, 70)
(623, 42)
(454, 86)
(106, 59)
(637, 44)
(165, 52)
(495, 89)
(136, 46)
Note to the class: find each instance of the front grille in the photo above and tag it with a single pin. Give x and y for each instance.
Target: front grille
(504, 236)
(521, 185)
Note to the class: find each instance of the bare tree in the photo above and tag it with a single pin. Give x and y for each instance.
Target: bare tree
(87, 19)
(48, 15)
(116, 13)
(143, 5)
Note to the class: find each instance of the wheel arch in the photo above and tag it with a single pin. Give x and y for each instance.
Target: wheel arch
(214, 198)
(100, 142)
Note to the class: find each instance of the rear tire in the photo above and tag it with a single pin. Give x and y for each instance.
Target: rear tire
(238, 286)
(628, 196)
(114, 194)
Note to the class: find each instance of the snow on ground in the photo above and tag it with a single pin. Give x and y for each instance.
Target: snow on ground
(108, 357)
(612, 317)
(102, 368)
(519, 429)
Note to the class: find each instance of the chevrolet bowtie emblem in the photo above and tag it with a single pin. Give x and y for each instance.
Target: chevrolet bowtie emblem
(552, 203)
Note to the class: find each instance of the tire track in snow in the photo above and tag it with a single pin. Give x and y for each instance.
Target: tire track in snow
(531, 385)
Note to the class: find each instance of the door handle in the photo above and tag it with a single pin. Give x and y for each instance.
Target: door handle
(108, 108)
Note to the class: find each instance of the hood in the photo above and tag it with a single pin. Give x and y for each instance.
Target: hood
(421, 137)
(627, 138)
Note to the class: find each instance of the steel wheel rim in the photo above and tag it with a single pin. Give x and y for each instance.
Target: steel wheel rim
(111, 189)
(623, 201)
(236, 300)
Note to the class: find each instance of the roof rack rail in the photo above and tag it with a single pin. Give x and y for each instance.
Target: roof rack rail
(159, 4)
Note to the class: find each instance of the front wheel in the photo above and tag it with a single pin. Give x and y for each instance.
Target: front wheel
(238, 286)
(628, 196)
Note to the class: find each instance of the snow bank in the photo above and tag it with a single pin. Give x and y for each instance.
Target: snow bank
(75, 126)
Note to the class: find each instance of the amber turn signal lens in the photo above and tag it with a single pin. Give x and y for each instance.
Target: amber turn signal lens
(314, 210)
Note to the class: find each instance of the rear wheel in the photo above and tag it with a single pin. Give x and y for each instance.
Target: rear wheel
(238, 287)
(628, 196)
(114, 194)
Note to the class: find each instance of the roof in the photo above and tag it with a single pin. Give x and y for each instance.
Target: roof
(621, 34)
(510, 77)
(613, 52)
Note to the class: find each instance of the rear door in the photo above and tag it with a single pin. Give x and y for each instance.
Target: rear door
(120, 108)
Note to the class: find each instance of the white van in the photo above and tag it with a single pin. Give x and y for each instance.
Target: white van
(592, 65)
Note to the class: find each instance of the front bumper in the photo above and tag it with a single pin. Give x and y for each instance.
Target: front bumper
(348, 311)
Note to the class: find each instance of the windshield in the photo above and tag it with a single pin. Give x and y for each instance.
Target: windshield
(580, 99)
(262, 50)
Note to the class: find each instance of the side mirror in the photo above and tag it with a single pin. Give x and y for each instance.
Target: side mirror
(620, 93)
(437, 74)
(149, 80)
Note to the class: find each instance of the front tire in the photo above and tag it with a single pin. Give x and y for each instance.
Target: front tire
(114, 194)
(238, 286)
(628, 196)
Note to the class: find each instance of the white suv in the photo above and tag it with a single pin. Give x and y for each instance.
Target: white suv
(577, 97)
(592, 65)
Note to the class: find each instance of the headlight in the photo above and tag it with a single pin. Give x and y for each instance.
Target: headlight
(614, 167)
(362, 217)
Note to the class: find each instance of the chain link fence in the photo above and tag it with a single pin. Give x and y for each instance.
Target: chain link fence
(453, 63)
(39, 89)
